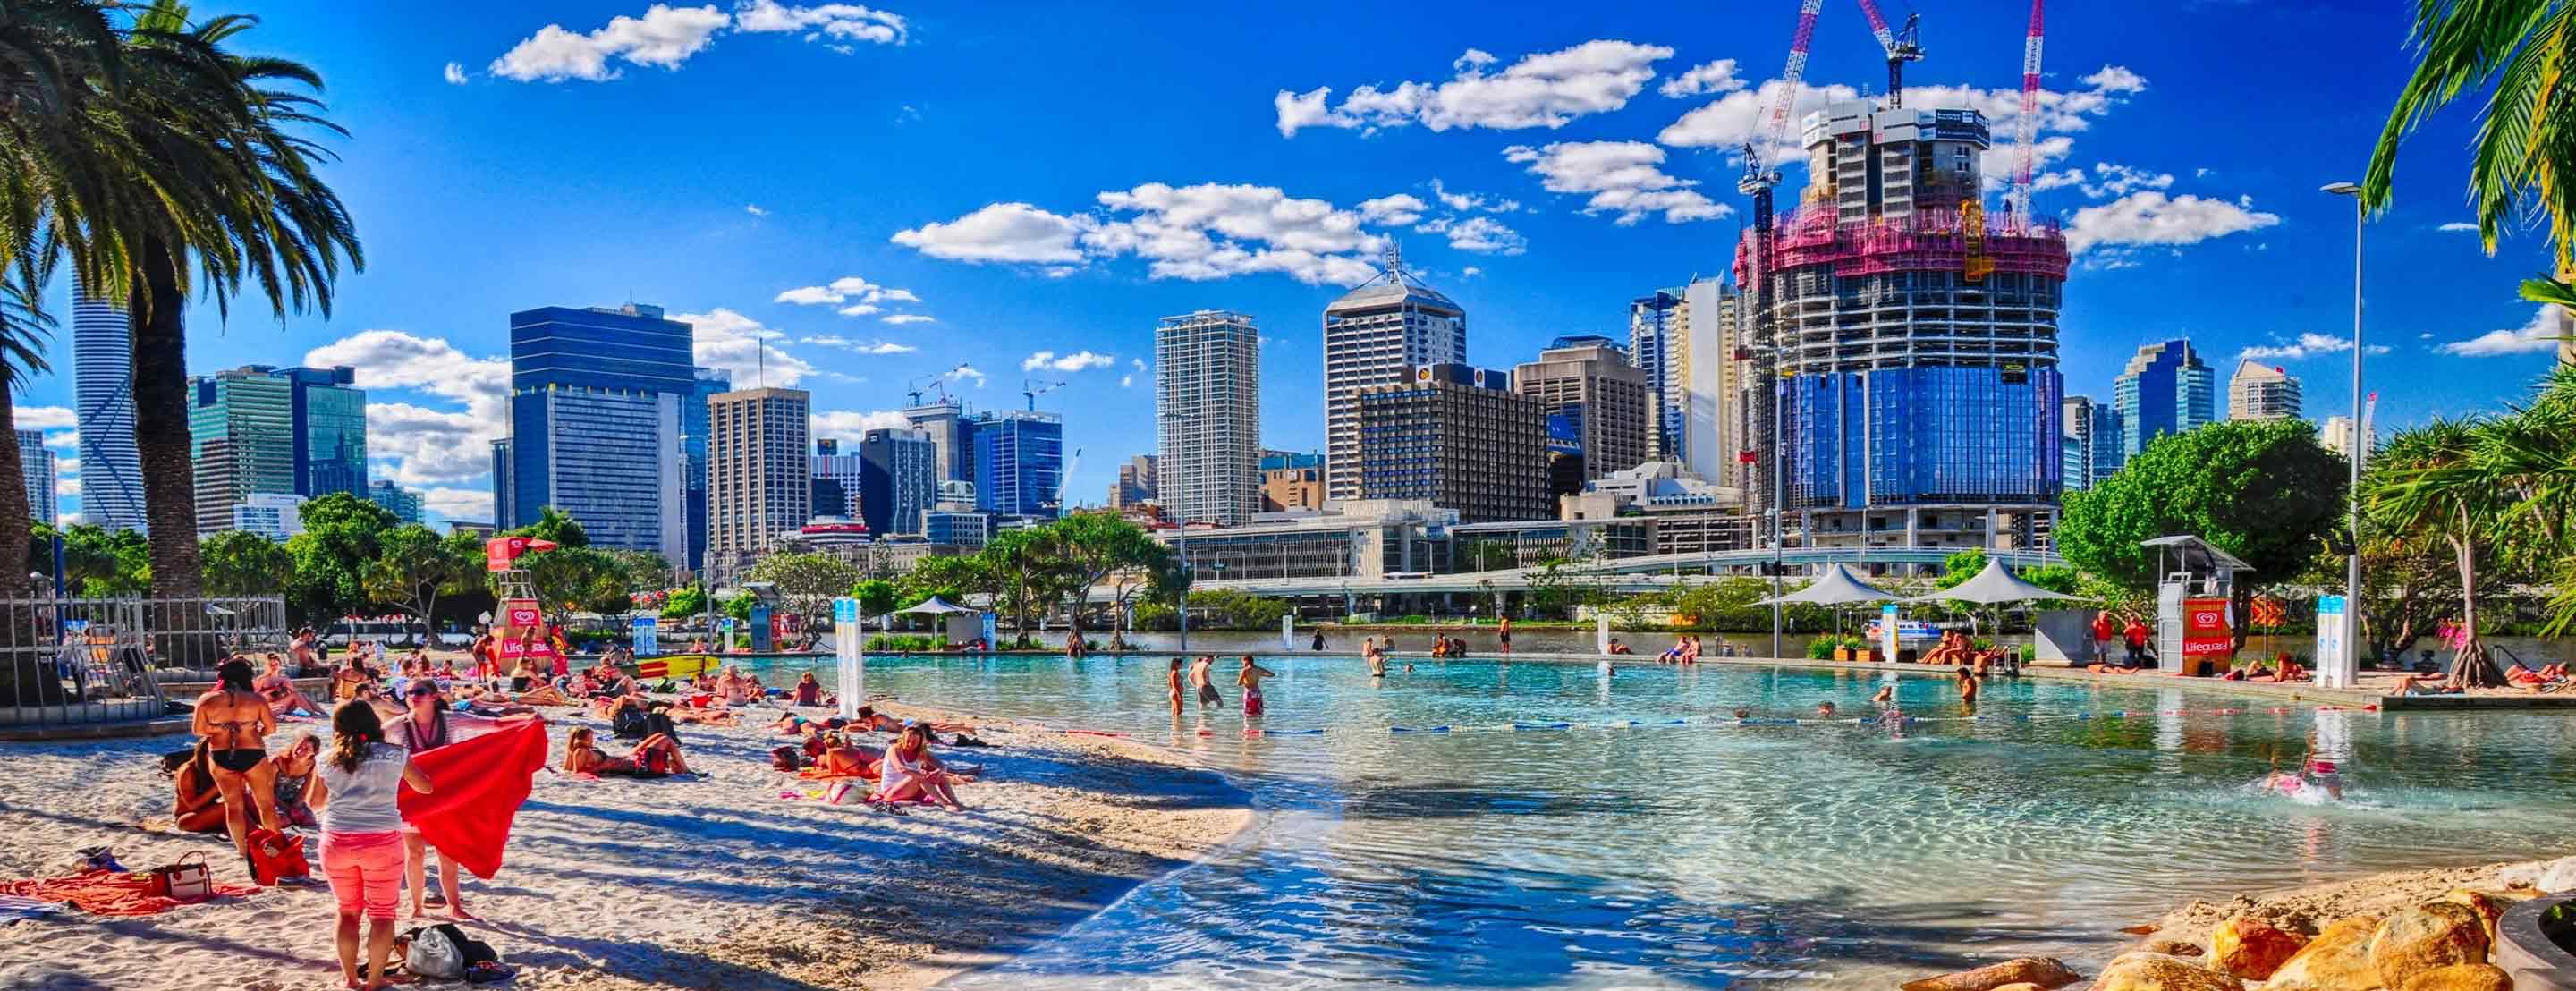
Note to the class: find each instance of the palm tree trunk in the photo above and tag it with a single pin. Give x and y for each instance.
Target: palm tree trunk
(16, 517)
(161, 427)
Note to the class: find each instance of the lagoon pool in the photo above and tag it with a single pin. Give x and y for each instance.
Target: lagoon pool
(1714, 854)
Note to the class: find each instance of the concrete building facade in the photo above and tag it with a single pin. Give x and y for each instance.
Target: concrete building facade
(1459, 438)
(759, 478)
(1378, 334)
(1207, 404)
(1603, 401)
(2262, 392)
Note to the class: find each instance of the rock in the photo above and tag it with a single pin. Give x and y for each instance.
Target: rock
(2021, 986)
(2461, 977)
(2490, 906)
(2043, 971)
(2251, 948)
(2434, 934)
(2173, 947)
(2338, 959)
(2141, 971)
(2550, 876)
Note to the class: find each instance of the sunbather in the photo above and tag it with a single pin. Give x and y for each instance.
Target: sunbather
(280, 691)
(658, 756)
(295, 770)
(2426, 684)
(909, 773)
(2522, 677)
(837, 757)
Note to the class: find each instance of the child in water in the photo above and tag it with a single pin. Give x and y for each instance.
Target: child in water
(2319, 781)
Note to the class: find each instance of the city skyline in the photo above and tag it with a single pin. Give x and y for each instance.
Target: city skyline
(858, 275)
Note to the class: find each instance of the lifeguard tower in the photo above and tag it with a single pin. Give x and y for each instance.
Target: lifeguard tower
(2195, 583)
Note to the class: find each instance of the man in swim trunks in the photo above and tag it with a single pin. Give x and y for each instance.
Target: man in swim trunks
(1250, 680)
(1503, 633)
(1199, 679)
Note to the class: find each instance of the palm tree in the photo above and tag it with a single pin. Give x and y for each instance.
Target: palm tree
(23, 329)
(2526, 141)
(2434, 483)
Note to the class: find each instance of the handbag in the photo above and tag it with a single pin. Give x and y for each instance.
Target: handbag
(187, 882)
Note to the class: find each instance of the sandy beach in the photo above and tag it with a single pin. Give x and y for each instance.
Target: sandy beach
(714, 883)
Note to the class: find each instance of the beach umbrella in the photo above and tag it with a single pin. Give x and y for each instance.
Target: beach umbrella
(1838, 587)
(1993, 586)
(935, 606)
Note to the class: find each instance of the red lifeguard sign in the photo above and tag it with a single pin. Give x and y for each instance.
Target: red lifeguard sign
(502, 553)
(2205, 630)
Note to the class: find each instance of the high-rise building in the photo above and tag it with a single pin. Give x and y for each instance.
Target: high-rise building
(2336, 435)
(596, 401)
(503, 495)
(1018, 461)
(403, 503)
(1207, 401)
(1291, 481)
(111, 476)
(1600, 397)
(1460, 437)
(1655, 328)
(704, 382)
(825, 447)
(1137, 484)
(1909, 346)
(838, 481)
(2165, 390)
(1703, 357)
(277, 516)
(36, 461)
(970, 530)
(759, 478)
(2262, 392)
(945, 421)
(2091, 433)
(898, 479)
(1378, 334)
(289, 431)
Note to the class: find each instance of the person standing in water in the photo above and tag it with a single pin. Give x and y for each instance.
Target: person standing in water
(1377, 666)
(1250, 680)
(1199, 680)
(1175, 680)
(1503, 633)
(1319, 640)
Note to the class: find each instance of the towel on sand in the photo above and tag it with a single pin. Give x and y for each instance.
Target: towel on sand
(108, 892)
(478, 786)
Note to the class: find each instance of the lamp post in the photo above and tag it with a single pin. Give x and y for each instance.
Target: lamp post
(2356, 449)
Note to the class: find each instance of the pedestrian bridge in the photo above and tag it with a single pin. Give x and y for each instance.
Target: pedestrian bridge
(1630, 575)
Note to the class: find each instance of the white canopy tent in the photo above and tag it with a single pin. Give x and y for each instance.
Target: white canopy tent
(1993, 586)
(1837, 587)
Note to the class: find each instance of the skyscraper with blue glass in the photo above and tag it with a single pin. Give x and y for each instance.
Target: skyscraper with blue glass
(262, 430)
(1018, 462)
(111, 476)
(2166, 389)
(596, 399)
(693, 448)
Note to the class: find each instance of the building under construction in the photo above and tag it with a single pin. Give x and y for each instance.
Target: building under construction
(1908, 344)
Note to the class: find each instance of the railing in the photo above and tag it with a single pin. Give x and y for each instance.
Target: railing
(65, 661)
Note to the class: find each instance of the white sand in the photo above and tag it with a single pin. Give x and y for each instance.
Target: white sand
(616, 884)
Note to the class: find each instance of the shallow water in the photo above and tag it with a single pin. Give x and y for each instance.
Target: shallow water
(1714, 854)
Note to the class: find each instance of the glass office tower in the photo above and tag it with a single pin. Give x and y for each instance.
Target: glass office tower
(595, 423)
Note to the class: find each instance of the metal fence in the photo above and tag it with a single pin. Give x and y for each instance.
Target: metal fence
(107, 660)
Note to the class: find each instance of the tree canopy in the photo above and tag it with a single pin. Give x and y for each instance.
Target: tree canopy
(2263, 490)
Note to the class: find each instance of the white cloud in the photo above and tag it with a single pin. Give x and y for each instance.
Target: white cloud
(1485, 235)
(1736, 117)
(2539, 336)
(1125, 381)
(67, 462)
(857, 347)
(739, 344)
(1074, 362)
(664, 37)
(2110, 179)
(67, 439)
(2458, 227)
(1622, 177)
(1546, 89)
(1470, 272)
(846, 424)
(415, 445)
(2151, 218)
(838, 24)
(900, 319)
(393, 359)
(754, 210)
(2308, 345)
(1001, 232)
(1138, 362)
(2200, 173)
(44, 417)
(2116, 79)
(1713, 77)
(847, 289)
(1463, 202)
(1394, 211)
(454, 74)
(858, 309)
(473, 505)
(67, 486)
(965, 372)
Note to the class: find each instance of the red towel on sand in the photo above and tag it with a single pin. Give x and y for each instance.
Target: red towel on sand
(480, 784)
(108, 893)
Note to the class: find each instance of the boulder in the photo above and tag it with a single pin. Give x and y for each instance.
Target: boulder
(2431, 935)
(2488, 905)
(2142, 971)
(2460, 977)
(2338, 959)
(2046, 972)
(2251, 948)
(2173, 947)
(2546, 875)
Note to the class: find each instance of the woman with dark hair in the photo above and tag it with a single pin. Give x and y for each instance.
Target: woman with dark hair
(362, 849)
(427, 725)
(235, 722)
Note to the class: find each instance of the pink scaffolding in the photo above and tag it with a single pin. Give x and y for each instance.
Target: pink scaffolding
(1931, 240)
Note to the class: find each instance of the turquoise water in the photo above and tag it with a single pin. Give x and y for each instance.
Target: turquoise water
(1714, 854)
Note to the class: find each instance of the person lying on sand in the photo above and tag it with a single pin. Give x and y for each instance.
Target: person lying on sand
(840, 758)
(2426, 684)
(2522, 677)
(658, 756)
(872, 721)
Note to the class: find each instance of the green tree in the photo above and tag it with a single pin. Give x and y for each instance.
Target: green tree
(241, 563)
(342, 533)
(948, 577)
(579, 579)
(1028, 568)
(414, 566)
(2262, 490)
(876, 596)
(1089, 548)
(645, 571)
(685, 602)
(807, 583)
(24, 328)
(555, 525)
(103, 563)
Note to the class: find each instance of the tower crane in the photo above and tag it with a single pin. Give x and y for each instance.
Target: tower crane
(1758, 182)
(2026, 130)
(1902, 47)
(1031, 389)
(940, 380)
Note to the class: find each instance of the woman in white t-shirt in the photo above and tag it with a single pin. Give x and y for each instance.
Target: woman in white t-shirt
(362, 844)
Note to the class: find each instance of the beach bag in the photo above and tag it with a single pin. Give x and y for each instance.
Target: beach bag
(631, 724)
(275, 855)
(186, 882)
(444, 953)
(845, 793)
(786, 759)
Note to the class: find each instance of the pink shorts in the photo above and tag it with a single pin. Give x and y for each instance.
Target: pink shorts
(366, 871)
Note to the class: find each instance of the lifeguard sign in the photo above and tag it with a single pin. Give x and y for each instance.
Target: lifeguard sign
(502, 553)
(2205, 631)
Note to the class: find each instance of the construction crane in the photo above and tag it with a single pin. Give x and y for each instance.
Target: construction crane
(2027, 128)
(1758, 182)
(1902, 47)
(941, 380)
(1032, 390)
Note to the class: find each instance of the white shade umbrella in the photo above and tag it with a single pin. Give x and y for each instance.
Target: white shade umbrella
(1997, 584)
(934, 606)
(1838, 587)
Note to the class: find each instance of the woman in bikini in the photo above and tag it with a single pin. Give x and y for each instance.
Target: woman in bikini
(910, 774)
(235, 723)
(279, 690)
(1173, 680)
(839, 758)
(658, 756)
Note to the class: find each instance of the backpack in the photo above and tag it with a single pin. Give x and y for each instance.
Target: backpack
(633, 723)
(660, 723)
(443, 952)
(275, 855)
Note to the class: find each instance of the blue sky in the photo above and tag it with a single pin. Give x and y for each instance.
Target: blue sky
(1043, 181)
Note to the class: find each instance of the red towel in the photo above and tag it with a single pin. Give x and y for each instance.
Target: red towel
(480, 784)
(108, 893)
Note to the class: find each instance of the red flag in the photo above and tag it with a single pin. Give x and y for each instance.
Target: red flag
(478, 785)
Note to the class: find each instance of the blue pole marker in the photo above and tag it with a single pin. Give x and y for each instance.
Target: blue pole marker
(1293, 732)
(1423, 729)
(1532, 726)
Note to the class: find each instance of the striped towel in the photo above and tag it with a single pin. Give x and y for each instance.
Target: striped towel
(16, 907)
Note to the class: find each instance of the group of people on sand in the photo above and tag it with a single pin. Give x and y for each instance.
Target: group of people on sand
(905, 772)
(1200, 679)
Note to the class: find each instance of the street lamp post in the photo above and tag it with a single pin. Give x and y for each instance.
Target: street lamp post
(2355, 448)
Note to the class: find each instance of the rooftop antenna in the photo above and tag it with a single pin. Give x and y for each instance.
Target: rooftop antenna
(1394, 262)
(760, 361)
